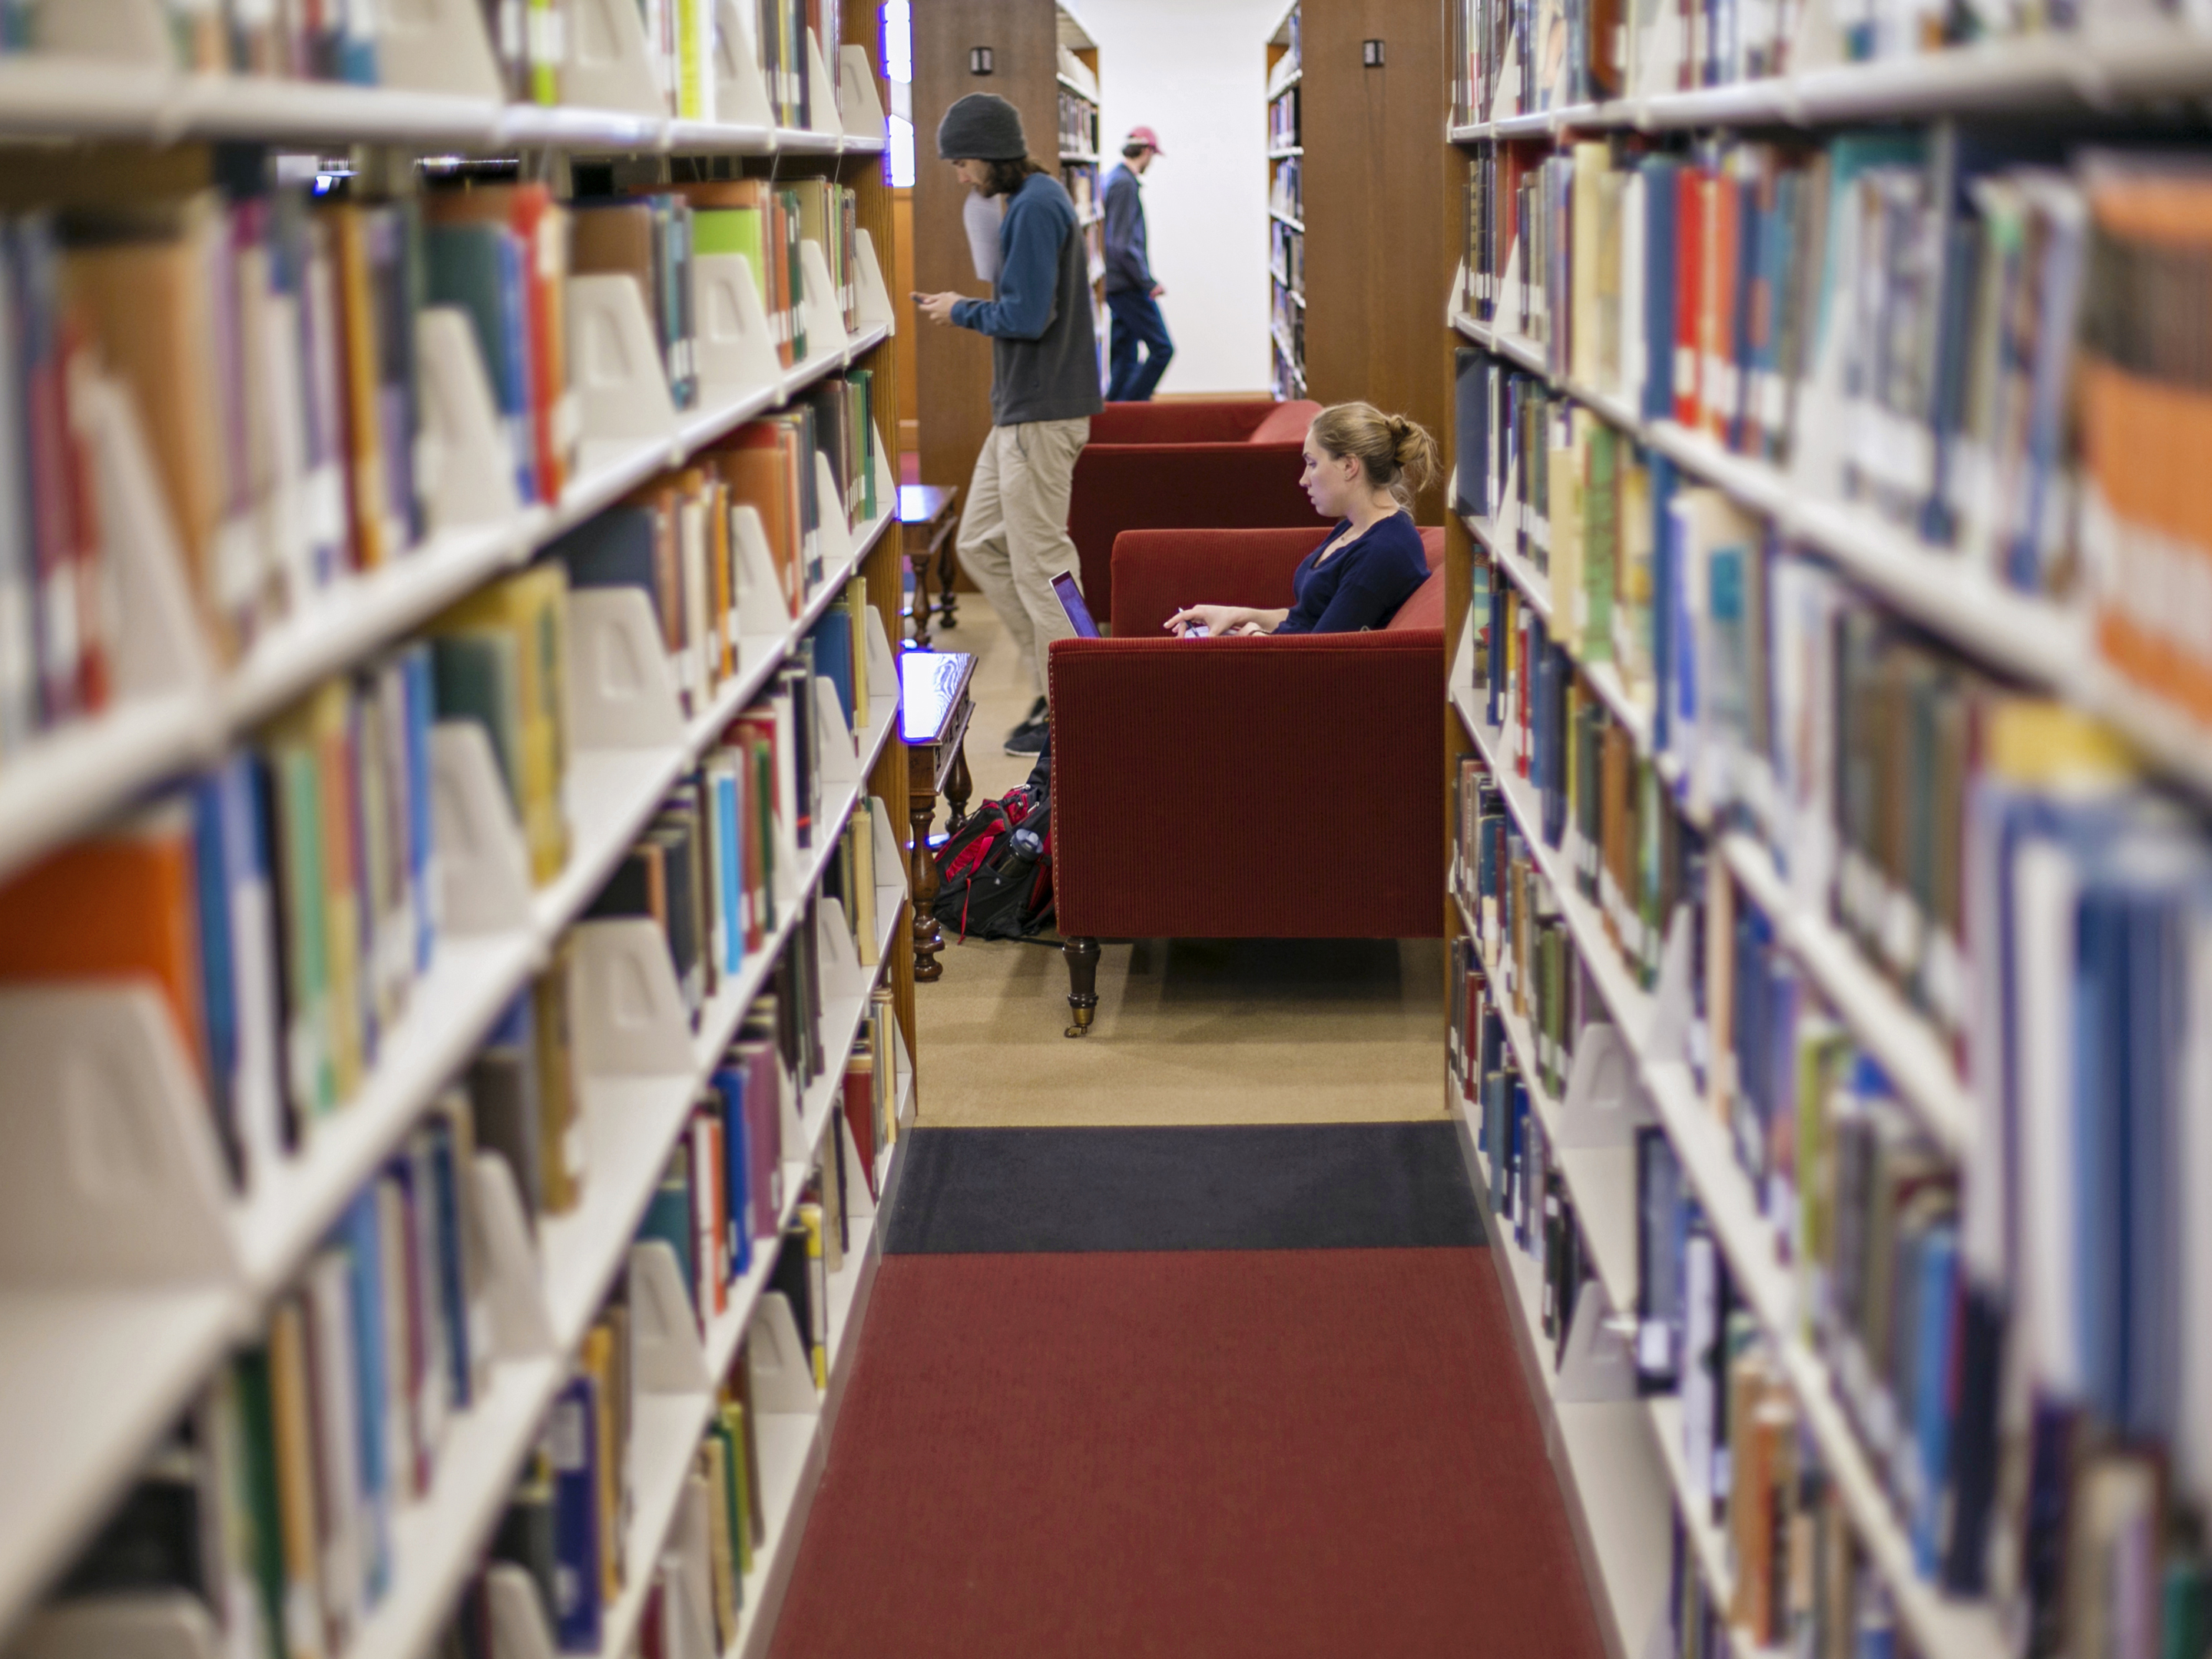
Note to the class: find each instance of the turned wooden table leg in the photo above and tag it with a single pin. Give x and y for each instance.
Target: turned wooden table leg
(1082, 956)
(928, 937)
(944, 573)
(918, 612)
(958, 788)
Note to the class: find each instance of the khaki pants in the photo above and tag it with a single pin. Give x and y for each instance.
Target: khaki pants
(1013, 537)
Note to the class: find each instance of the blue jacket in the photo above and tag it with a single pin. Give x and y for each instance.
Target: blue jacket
(1128, 261)
(1044, 350)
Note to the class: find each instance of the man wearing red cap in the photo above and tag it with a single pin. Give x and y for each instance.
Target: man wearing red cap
(1131, 294)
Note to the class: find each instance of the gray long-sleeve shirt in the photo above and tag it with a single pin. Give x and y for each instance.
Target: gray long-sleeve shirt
(1127, 264)
(1044, 350)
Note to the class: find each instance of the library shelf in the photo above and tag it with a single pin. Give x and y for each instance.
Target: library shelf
(1616, 1488)
(1285, 78)
(1086, 94)
(1956, 1629)
(70, 779)
(136, 1353)
(2090, 68)
(44, 95)
(580, 1254)
(1284, 154)
(292, 1203)
(1074, 156)
(1282, 218)
(1602, 1182)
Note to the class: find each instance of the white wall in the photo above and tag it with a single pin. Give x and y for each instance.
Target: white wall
(1195, 71)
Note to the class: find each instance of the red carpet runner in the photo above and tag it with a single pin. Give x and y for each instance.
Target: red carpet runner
(1211, 1453)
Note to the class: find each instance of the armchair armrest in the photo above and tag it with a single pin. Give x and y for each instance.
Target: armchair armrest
(1229, 420)
(1158, 572)
(1120, 487)
(1249, 788)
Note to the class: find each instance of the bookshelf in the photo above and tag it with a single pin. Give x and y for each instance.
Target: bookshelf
(1045, 64)
(129, 1284)
(1672, 939)
(1350, 221)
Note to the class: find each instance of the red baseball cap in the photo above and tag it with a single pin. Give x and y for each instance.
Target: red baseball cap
(1145, 136)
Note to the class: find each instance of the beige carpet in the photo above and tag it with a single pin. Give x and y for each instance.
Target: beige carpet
(1189, 1030)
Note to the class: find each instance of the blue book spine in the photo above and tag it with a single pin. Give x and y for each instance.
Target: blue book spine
(358, 1231)
(1662, 595)
(452, 1294)
(1518, 1194)
(1659, 204)
(737, 1158)
(572, 1438)
(727, 849)
(422, 700)
(1931, 1389)
(211, 864)
(514, 322)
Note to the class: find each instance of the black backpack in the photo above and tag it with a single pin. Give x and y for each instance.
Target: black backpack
(995, 877)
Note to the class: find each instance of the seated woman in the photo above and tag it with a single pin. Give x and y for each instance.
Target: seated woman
(1362, 468)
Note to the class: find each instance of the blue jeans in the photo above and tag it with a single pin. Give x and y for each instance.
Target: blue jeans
(1137, 321)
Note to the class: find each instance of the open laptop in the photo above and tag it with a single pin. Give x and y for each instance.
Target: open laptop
(1070, 600)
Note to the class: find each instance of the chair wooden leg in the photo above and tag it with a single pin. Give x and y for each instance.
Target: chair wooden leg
(1082, 956)
(947, 597)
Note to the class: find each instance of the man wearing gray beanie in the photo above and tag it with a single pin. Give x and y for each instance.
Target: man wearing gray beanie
(1044, 386)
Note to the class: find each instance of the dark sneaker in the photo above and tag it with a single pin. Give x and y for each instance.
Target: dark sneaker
(1029, 737)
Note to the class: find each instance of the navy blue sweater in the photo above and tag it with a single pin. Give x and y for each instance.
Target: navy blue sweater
(1363, 583)
(1044, 351)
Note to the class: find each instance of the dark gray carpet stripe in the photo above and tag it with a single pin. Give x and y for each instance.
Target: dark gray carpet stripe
(1276, 1186)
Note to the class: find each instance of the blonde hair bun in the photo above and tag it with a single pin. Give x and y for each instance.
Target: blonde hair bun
(1393, 452)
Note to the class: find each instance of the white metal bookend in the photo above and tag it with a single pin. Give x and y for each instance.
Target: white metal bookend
(1456, 301)
(517, 1613)
(690, 1549)
(161, 645)
(859, 1202)
(116, 31)
(764, 605)
(631, 1021)
(860, 109)
(1672, 1005)
(840, 765)
(158, 1625)
(1604, 1103)
(608, 66)
(514, 1284)
(1596, 1364)
(825, 316)
(842, 973)
(883, 674)
(886, 480)
(437, 45)
(740, 90)
(735, 343)
(821, 90)
(836, 529)
(483, 869)
(664, 1330)
(622, 693)
(890, 861)
(782, 1364)
(874, 307)
(619, 366)
(113, 1180)
(467, 456)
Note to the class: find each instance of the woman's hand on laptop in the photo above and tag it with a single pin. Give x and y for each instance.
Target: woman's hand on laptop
(1219, 620)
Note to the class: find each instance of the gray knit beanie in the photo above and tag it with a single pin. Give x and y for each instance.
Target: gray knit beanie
(981, 127)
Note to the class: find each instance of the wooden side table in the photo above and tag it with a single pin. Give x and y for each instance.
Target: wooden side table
(927, 519)
(934, 708)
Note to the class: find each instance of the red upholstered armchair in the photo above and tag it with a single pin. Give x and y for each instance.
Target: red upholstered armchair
(1244, 788)
(1171, 466)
